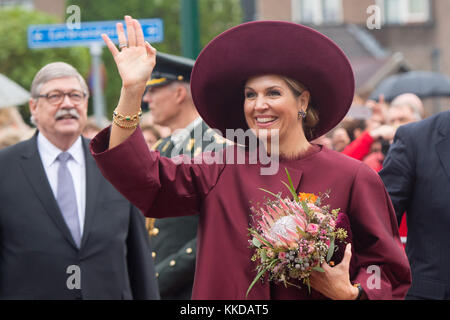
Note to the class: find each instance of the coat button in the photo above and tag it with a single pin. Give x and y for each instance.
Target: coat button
(153, 254)
(157, 274)
(189, 250)
(155, 231)
(172, 263)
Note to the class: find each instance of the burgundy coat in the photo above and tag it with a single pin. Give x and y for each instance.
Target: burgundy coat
(222, 193)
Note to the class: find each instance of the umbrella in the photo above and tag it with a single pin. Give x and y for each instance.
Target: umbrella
(11, 94)
(424, 84)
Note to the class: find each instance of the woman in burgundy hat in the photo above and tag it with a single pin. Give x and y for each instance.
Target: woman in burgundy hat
(258, 75)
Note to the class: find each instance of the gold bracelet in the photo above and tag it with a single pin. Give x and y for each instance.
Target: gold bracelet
(122, 117)
(125, 126)
(126, 121)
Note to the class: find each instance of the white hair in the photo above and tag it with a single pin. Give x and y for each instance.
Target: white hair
(56, 70)
(412, 101)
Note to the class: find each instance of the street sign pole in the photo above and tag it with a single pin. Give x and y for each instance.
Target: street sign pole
(98, 98)
(190, 29)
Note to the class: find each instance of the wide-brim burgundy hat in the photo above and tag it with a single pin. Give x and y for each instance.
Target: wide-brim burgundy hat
(271, 47)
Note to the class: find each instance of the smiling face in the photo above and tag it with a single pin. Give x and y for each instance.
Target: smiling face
(271, 104)
(64, 120)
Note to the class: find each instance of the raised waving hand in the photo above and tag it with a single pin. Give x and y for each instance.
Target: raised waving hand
(135, 58)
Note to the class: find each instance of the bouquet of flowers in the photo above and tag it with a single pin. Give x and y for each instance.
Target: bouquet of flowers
(292, 238)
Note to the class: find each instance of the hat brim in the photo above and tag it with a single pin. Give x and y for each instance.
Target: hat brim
(270, 47)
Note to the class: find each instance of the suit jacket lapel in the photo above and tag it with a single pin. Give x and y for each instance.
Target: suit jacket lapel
(33, 169)
(93, 179)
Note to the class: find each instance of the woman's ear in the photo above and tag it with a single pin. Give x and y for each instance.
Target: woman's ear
(303, 100)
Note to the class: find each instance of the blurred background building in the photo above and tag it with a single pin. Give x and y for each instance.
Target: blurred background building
(413, 34)
(54, 7)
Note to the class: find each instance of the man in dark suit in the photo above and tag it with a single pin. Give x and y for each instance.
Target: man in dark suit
(416, 173)
(175, 239)
(65, 232)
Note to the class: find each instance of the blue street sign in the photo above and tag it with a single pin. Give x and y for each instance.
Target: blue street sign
(59, 35)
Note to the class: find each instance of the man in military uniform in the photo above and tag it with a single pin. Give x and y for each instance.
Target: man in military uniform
(174, 239)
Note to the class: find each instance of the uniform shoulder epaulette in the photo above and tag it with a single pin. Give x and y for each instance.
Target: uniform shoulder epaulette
(156, 144)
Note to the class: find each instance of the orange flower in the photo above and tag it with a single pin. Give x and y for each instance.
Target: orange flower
(308, 197)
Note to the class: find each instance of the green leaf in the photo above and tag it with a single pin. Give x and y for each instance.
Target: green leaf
(330, 250)
(271, 193)
(256, 242)
(255, 280)
(308, 284)
(319, 269)
(260, 238)
(292, 192)
(292, 188)
(259, 275)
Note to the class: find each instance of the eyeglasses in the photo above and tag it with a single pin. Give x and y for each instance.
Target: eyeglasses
(56, 97)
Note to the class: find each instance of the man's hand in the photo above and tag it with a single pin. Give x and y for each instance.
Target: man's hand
(385, 132)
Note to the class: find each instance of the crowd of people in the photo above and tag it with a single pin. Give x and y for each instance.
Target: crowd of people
(368, 137)
(81, 190)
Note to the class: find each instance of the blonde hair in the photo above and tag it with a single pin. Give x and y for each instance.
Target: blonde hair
(312, 115)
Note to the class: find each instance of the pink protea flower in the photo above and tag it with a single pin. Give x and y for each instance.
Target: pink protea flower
(280, 222)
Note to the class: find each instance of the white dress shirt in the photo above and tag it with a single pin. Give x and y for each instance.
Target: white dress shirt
(76, 165)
